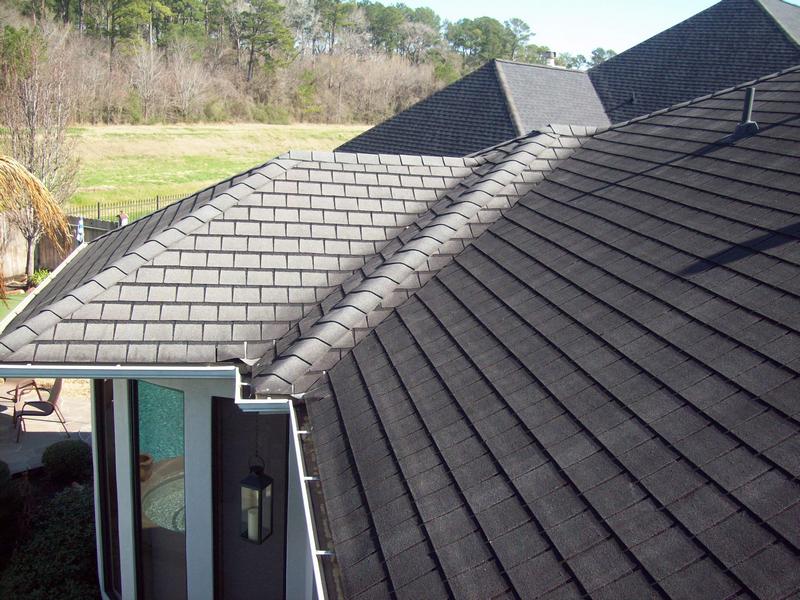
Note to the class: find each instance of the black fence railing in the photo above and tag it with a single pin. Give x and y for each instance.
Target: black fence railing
(109, 211)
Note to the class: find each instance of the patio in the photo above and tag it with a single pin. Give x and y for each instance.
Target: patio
(39, 434)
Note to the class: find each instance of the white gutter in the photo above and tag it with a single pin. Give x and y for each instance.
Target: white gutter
(315, 553)
(29, 298)
(122, 372)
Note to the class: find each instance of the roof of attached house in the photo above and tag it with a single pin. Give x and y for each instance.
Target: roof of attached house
(731, 42)
(287, 260)
(494, 103)
(600, 396)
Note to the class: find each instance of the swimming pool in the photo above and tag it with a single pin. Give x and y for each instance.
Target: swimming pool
(160, 421)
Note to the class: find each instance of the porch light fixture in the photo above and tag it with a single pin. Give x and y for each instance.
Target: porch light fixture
(256, 504)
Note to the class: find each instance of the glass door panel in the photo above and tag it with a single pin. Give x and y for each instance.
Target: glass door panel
(159, 480)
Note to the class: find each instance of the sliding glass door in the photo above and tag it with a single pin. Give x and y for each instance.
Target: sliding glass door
(159, 490)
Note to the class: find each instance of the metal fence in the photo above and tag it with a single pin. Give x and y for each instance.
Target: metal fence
(108, 211)
(48, 256)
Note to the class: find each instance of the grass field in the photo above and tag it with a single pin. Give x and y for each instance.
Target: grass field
(133, 162)
(10, 303)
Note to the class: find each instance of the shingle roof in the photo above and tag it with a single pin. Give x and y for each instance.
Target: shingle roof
(363, 300)
(599, 396)
(543, 95)
(464, 117)
(240, 271)
(498, 101)
(731, 42)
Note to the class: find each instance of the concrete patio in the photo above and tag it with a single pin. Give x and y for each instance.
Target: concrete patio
(39, 434)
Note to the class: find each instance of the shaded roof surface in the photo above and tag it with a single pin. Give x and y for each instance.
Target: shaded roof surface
(281, 261)
(726, 44)
(599, 396)
(731, 42)
(464, 117)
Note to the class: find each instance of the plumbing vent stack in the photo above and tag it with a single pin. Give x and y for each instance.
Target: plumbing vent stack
(747, 126)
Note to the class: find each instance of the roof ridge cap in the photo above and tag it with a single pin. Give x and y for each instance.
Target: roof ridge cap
(512, 107)
(792, 38)
(51, 314)
(538, 66)
(309, 347)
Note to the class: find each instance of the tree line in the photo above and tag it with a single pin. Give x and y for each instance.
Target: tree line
(265, 60)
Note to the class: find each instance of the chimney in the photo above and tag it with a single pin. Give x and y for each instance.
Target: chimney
(550, 58)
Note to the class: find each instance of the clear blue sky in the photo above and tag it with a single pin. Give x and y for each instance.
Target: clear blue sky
(577, 26)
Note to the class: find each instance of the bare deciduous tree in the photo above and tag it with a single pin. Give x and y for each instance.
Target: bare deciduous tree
(36, 107)
(188, 79)
(146, 77)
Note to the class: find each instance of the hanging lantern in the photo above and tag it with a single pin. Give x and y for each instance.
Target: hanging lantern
(256, 523)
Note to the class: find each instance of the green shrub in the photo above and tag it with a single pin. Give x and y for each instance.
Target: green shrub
(58, 559)
(67, 461)
(264, 113)
(39, 276)
(216, 111)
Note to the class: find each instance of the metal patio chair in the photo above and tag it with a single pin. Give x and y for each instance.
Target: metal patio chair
(39, 410)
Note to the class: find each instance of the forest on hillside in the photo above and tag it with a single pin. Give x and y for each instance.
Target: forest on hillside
(335, 61)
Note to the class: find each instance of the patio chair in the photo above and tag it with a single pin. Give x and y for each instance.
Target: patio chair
(39, 410)
(16, 388)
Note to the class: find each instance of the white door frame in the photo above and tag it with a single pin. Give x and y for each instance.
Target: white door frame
(198, 481)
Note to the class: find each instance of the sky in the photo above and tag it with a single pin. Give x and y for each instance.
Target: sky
(577, 26)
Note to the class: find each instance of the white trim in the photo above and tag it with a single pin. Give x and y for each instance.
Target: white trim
(312, 582)
(117, 371)
(21, 306)
(98, 521)
(264, 405)
(125, 489)
(198, 480)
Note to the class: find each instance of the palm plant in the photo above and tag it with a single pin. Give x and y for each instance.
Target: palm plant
(21, 190)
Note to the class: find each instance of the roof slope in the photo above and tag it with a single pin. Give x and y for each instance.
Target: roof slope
(243, 273)
(599, 396)
(543, 95)
(204, 281)
(730, 42)
(362, 301)
(464, 117)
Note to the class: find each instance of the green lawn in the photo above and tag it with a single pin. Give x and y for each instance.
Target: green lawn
(12, 301)
(134, 162)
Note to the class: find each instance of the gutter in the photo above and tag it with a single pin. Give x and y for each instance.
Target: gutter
(29, 298)
(316, 554)
(122, 372)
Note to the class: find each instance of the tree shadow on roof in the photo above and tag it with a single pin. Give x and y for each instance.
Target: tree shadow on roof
(768, 241)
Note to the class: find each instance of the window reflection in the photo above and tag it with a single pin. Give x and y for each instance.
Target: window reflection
(159, 445)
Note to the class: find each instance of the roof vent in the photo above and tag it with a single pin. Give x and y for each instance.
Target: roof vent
(746, 126)
(550, 58)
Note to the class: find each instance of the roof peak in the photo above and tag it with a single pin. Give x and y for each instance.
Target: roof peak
(524, 64)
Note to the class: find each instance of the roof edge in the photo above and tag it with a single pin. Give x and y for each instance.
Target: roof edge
(510, 104)
(795, 40)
